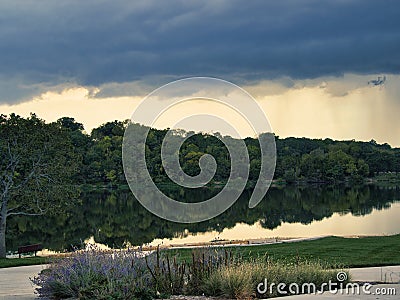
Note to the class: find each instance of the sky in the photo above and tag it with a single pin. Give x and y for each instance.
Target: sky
(309, 64)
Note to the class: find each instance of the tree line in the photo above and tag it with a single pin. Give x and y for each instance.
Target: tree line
(298, 159)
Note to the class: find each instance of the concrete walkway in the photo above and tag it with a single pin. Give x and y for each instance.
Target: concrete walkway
(15, 284)
(377, 274)
(378, 291)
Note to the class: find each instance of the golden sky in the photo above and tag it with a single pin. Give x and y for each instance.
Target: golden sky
(338, 108)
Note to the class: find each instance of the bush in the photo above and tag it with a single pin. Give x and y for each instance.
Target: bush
(95, 274)
(174, 276)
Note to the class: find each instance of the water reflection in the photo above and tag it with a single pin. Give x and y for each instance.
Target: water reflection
(115, 217)
(378, 222)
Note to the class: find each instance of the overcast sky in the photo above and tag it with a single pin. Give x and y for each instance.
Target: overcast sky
(110, 50)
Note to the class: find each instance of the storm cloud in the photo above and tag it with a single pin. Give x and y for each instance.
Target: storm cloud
(100, 43)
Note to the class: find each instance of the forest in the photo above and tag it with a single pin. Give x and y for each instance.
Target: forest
(97, 155)
(298, 159)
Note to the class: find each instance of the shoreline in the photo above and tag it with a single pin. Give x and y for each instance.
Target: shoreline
(45, 253)
(351, 251)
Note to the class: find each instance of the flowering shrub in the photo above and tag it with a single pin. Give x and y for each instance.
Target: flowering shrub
(95, 274)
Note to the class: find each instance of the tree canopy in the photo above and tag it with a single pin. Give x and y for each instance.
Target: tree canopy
(36, 168)
(298, 159)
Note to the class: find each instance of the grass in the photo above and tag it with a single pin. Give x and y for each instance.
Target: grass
(335, 251)
(25, 261)
(239, 280)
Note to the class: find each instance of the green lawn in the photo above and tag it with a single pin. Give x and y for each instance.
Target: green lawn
(335, 251)
(25, 261)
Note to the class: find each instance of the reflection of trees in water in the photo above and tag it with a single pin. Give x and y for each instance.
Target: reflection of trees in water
(114, 217)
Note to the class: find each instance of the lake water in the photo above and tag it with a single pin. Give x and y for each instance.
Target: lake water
(115, 217)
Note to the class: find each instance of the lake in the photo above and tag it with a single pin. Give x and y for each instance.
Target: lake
(115, 218)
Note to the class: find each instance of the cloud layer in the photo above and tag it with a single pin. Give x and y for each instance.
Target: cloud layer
(92, 43)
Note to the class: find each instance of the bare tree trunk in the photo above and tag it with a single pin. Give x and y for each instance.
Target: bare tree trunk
(3, 216)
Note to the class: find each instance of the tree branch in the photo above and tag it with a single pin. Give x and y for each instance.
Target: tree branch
(25, 214)
(27, 178)
(14, 208)
(40, 212)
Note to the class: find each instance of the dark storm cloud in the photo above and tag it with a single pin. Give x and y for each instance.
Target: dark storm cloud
(92, 43)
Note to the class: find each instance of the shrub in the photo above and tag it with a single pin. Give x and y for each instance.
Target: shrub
(95, 274)
(181, 277)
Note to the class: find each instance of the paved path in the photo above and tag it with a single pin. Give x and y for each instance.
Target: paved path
(15, 284)
(379, 291)
(377, 274)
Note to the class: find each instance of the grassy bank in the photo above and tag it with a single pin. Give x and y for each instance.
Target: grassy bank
(335, 251)
(25, 261)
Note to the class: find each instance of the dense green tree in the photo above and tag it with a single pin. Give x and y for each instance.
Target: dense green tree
(110, 129)
(36, 166)
(70, 123)
(81, 143)
(310, 160)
